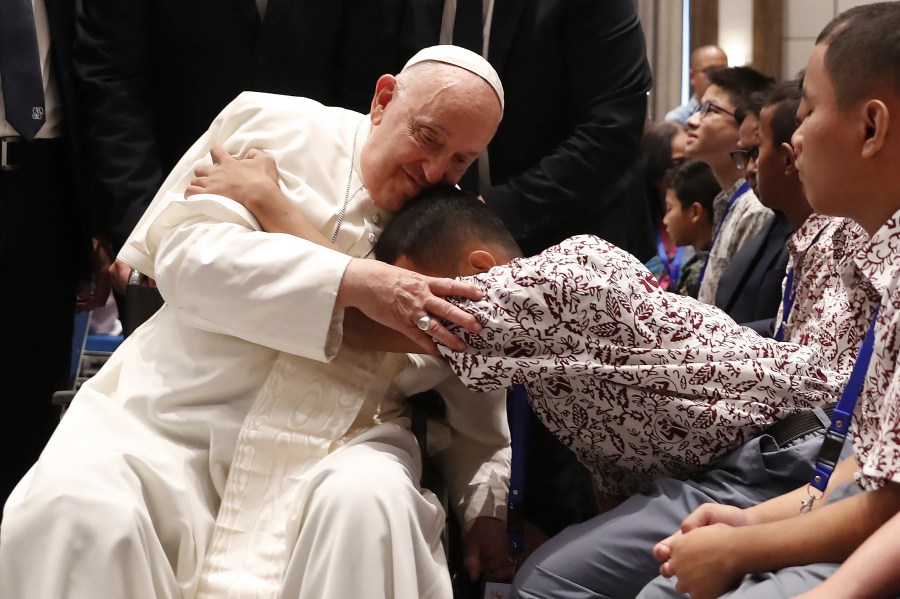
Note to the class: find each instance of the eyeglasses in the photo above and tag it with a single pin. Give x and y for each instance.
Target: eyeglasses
(705, 107)
(742, 157)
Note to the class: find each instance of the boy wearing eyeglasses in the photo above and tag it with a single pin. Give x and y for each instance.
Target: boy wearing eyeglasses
(712, 134)
(749, 289)
(610, 555)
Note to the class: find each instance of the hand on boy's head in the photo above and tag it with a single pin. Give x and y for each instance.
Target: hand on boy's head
(400, 299)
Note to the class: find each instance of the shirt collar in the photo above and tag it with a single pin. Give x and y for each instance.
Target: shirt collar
(721, 200)
(808, 232)
(879, 259)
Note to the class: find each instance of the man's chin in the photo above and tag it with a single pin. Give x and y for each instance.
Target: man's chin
(392, 202)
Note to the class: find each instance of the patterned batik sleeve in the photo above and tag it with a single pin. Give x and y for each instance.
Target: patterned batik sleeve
(638, 382)
(546, 313)
(878, 446)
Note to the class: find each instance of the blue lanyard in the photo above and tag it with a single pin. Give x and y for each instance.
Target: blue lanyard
(833, 443)
(673, 266)
(744, 188)
(788, 298)
(518, 409)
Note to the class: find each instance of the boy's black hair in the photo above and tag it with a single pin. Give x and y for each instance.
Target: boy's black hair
(752, 104)
(431, 229)
(693, 181)
(740, 82)
(785, 97)
(863, 50)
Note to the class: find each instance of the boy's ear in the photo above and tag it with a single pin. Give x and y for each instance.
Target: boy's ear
(789, 156)
(481, 260)
(877, 119)
(695, 212)
(403, 262)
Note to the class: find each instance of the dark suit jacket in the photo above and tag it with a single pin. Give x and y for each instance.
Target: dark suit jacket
(77, 240)
(44, 251)
(750, 287)
(155, 73)
(575, 75)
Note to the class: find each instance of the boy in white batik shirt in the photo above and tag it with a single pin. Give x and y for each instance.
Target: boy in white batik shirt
(847, 155)
(768, 465)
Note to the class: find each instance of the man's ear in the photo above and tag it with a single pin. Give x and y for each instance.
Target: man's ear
(877, 119)
(789, 156)
(385, 91)
(481, 260)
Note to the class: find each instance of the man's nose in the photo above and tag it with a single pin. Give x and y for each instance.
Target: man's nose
(437, 170)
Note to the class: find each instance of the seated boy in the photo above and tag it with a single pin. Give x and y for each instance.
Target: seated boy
(638, 382)
(847, 155)
(689, 218)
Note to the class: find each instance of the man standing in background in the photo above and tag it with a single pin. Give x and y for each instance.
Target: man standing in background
(576, 79)
(152, 78)
(45, 249)
(702, 58)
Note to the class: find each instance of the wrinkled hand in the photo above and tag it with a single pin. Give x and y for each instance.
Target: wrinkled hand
(245, 180)
(486, 548)
(93, 294)
(397, 298)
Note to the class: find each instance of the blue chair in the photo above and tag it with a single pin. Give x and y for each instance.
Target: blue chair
(89, 353)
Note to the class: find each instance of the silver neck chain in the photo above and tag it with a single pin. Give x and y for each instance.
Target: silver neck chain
(340, 221)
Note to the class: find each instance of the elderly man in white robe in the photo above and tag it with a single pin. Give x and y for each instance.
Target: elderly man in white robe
(124, 499)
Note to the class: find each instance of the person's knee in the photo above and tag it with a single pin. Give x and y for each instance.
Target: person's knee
(84, 523)
(369, 489)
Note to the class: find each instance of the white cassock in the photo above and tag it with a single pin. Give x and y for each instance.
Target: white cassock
(123, 501)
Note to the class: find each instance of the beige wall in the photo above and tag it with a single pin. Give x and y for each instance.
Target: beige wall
(803, 20)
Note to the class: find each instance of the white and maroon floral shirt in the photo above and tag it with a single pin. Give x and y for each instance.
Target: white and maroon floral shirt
(829, 311)
(876, 421)
(638, 382)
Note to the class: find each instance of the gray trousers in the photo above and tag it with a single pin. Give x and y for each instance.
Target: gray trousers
(783, 584)
(610, 555)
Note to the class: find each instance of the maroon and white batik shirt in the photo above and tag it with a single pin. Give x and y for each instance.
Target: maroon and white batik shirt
(876, 422)
(638, 382)
(830, 311)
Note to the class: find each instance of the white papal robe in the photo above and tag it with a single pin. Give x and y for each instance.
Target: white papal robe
(123, 501)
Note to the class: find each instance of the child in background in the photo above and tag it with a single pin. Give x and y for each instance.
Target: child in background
(662, 149)
(847, 152)
(689, 218)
